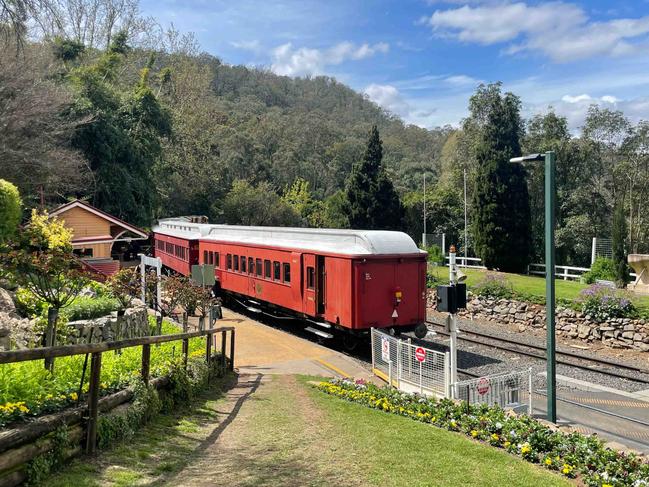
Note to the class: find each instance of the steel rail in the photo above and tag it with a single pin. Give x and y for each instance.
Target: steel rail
(577, 356)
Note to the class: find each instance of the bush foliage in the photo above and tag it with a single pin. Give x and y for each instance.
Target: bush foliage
(602, 303)
(10, 209)
(603, 269)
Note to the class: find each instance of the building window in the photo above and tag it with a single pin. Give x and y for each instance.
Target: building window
(251, 265)
(267, 269)
(229, 258)
(82, 252)
(243, 264)
(310, 278)
(236, 263)
(258, 264)
(277, 271)
(287, 272)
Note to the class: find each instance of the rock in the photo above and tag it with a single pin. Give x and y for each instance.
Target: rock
(583, 331)
(628, 335)
(629, 327)
(522, 328)
(638, 337)
(6, 302)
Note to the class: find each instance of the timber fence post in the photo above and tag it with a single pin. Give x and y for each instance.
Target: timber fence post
(223, 362)
(146, 363)
(93, 400)
(232, 350)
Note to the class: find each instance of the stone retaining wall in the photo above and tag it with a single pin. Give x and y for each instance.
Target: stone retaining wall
(615, 332)
(133, 324)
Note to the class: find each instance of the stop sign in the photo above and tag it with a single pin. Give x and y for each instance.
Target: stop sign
(483, 386)
(420, 354)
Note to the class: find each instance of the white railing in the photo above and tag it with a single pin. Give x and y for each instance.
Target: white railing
(470, 262)
(510, 390)
(408, 367)
(564, 272)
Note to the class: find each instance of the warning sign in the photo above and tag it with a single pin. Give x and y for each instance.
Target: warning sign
(483, 386)
(420, 354)
(385, 349)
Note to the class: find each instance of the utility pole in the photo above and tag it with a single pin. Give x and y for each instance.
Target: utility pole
(424, 236)
(466, 233)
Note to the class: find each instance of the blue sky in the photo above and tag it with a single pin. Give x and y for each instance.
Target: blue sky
(422, 59)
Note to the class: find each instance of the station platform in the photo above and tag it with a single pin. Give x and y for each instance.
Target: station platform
(263, 349)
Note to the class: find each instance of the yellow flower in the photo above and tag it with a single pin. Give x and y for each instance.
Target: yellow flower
(74, 396)
(607, 485)
(23, 409)
(548, 461)
(566, 469)
(474, 433)
(526, 449)
(507, 444)
(495, 437)
(103, 385)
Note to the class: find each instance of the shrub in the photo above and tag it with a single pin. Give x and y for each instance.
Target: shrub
(10, 209)
(602, 269)
(603, 303)
(86, 308)
(494, 286)
(435, 254)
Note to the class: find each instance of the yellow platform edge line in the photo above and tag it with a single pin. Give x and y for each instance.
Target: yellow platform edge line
(381, 375)
(334, 368)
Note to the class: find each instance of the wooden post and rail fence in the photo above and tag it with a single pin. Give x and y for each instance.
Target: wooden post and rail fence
(16, 445)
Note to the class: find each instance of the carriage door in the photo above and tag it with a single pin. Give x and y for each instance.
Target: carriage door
(309, 284)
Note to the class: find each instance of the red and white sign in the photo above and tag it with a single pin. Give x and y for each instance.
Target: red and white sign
(385, 349)
(420, 354)
(483, 386)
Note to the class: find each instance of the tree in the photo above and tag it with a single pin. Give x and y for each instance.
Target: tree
(372, 202)
(501, 203)
(246, 204)
(618, 234)
(10, 210)
(41, 259)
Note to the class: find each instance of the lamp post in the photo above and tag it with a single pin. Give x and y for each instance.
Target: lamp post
(550, 200)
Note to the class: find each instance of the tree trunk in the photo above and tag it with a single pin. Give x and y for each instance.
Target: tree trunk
(50, 334)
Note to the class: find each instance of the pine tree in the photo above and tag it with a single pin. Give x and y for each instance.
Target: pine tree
(618, 234)
(372, 202)
(502, 236)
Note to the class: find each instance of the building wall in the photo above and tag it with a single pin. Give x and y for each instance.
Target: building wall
(86, 224)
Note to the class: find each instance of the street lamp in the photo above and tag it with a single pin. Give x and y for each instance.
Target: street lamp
(550, 200)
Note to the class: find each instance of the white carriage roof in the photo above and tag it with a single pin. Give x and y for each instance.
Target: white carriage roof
(346, 242)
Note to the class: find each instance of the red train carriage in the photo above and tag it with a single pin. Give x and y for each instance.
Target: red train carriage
(348, 280)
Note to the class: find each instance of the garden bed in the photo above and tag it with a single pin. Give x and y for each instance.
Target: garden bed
(572, 455)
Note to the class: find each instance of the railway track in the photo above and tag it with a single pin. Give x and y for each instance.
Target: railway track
(572, 359)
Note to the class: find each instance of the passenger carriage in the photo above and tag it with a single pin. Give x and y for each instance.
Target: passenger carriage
(338, 280)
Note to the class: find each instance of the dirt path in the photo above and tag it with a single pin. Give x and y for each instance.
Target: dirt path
(274, 435)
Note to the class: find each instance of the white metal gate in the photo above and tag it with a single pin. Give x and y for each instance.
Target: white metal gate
(410, 368)
(512, 390)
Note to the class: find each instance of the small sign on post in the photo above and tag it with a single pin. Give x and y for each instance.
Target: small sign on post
(483, 386)
(385, 349)
(420, 355)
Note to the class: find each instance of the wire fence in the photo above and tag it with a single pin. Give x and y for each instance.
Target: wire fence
(408, 367)
(512, 390)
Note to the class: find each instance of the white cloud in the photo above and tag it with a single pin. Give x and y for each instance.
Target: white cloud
(253, 46)
(461, 80)
(561, 31)
(388, 97)
(305, 61)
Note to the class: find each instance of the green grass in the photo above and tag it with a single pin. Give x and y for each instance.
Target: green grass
(400, 451)
(288, 433)
(530, 285)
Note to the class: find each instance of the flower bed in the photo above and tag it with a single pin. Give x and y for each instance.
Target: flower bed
(27, 389)
(572, 455)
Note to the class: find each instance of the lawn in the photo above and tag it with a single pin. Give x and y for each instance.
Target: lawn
(529, 285)
(288, 433)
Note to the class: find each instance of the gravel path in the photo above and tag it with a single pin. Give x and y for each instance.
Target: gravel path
(486, 360)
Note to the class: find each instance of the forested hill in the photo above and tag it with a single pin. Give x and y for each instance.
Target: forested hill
(147, 133)
(324, 125)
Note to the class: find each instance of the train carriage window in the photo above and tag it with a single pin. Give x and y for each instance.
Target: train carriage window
(258, 270)
(229, 258)
(277, 271)
(267, 269)
(310, 278)
(287, 272)
(243, 264)
(210, 258)
(216, 259)
(236, 263)
(251, 265)
(204, 256)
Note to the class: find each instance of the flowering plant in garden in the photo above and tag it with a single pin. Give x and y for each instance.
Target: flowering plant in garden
(572, 455)
(602, 303)
(494, 286)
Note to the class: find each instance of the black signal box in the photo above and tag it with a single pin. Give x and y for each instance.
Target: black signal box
(451, 298)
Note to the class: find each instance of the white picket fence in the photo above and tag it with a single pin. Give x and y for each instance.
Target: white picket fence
(470, 262)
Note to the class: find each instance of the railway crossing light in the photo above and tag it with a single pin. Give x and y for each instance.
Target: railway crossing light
(550, 200)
